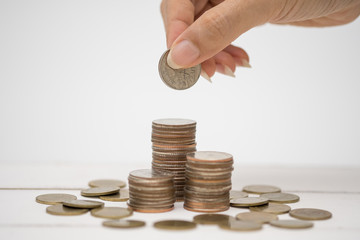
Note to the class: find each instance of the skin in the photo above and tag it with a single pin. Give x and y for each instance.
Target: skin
(201, 31)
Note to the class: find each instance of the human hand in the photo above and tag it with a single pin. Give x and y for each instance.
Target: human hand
(201, 31)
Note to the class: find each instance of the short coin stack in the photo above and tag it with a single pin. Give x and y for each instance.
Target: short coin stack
(208, 181)
(172, 139)
(151, 191)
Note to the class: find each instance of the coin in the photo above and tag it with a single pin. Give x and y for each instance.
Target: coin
(122, 196)
(297, 224)
(107, 183)
(83, 204)
(178, 79)
(275, 208)
(99, 191)
(259, 217)
(59, 209)
(123, 223)
(175, 225)
(237, 225)
(260, 189)
(248, 201)
(54, 198)
(281, 197)
(111, 212)
(310, 214)
(237, 194)
(174, 122)
(210, 156)
(211, 218)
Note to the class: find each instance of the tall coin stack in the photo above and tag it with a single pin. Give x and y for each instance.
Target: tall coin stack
(151, 191)
(172, 139)
(208, 181)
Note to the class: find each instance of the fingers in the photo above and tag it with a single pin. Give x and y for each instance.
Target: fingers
(215, 29)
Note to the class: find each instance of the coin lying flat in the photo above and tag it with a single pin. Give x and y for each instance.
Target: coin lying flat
(248, 202)
(211, 218)
(54, 198)
(107, 183)
(83, 204)
(237, 225)
(281, 197)
(297, 224)
(59, 209)
(175, 225)
(178, 79)
(310, 214)
(99, 191)
(275, 208)
(111, 212)
(259, 217)
(237, 194)
(260, 189)
(122, 196)
(123, 223)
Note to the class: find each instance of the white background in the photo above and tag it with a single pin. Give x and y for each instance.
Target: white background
(79, 83)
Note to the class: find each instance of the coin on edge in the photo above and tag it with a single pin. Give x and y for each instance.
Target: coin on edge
(61, 210)
(275, 208)
(54, 198)
(99, 191)
(211, 218)
(281, 197)
(123, 223)
(122, 196)
(259, 217)
(178, 79)
(83, 204)
(296, 224)
(111, 212)
(248, 202)
(260, 189)
(310, 214)
(107, 183)
(237, 225)
(174, 225)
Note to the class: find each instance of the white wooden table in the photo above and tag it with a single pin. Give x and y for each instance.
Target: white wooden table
(334, 189)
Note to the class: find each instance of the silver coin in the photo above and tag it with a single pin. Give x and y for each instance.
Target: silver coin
(178, 79)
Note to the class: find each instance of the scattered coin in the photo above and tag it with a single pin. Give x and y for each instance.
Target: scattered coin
(297, 224)
(107, 183)
(275, 208)
(260, 189)
(237, 194)
(83, 204)
(237, 225)
(310, 214)
(54, 198)
(259, 217)
(99, 191)
(123, 223)
(175, 225)
(122, 196)
(281, 197)
(111, 212)
(248, 202)
(178, 79)
(60, 209)
(212, 218)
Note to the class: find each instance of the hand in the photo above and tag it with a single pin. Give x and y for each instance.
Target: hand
(201, 31)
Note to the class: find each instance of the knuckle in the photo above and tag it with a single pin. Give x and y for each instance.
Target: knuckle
(216, 25)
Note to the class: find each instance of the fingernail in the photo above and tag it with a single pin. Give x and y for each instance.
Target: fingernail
(182, 54)
(245, 63)
(228, 71)
(204, 75)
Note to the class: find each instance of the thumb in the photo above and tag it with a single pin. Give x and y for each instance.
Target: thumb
(217, 28)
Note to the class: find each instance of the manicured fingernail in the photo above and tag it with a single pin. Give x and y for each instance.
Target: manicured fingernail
(204, 75)
(245, 63)
(228, 71)
(182, 54)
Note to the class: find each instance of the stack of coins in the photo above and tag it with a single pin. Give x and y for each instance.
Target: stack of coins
(151, 191)
(172, 139)
(208, 181)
